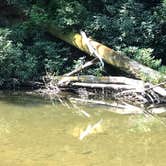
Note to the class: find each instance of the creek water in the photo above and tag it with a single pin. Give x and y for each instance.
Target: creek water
(37, 132)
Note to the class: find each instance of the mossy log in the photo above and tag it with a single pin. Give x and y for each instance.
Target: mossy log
(109, 55)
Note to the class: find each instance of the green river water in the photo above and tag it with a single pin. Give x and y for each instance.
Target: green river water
(37, 132)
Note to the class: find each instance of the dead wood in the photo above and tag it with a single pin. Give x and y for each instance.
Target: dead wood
(82, 67)
(103, 86)
(91, 49)
(121, 108)
(65, 81)
(108, 55)
(132, 91)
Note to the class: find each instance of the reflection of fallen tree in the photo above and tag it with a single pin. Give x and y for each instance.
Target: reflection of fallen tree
(120, 108)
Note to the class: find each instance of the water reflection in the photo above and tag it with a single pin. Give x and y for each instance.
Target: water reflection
(45, 134)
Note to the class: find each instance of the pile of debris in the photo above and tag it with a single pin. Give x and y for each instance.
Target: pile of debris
(123, 89)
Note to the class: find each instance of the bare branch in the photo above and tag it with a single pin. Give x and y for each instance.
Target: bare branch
(82, 67)
(92, 50)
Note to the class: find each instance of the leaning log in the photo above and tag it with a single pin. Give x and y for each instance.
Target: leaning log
(109, 55)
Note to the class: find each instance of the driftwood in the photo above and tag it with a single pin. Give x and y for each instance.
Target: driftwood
(107, 86)
(63, 80)
(123, 89)
(128, 99)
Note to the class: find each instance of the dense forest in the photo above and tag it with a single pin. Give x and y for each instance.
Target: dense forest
(28, 51)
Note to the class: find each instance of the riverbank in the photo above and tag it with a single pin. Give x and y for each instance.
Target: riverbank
(129, 96)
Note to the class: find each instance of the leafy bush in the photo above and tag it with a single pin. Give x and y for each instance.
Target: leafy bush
(30, 54)
(14, 61)
(144, 56)
(163, 69)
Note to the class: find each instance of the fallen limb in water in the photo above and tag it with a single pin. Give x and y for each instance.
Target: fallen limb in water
(119, 88)
(121, 108)
(115, 107)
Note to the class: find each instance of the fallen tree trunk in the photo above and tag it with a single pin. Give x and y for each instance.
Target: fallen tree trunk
(133, 91)
(106, 86)
(109, 56)
(65, 80)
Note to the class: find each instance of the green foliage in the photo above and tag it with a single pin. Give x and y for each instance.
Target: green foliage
(144, 56)
(130, 23)
(14, 62)
(80, 61)
(65, 14)
(25, 58)
(70, 14)
(162, 69)
(96, 70)
(38, 16)
(56, 58)
(21, 3)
